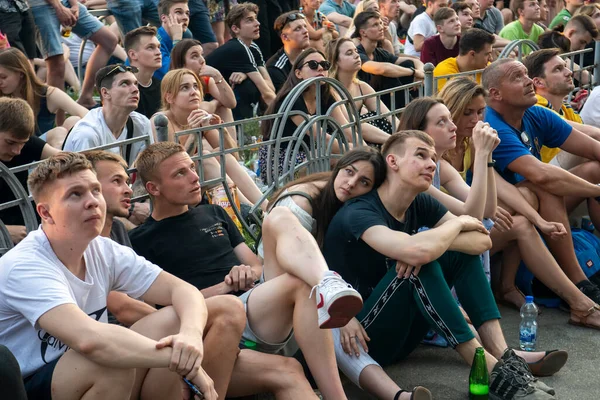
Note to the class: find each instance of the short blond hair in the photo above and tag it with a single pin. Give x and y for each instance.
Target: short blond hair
(150, 158)
(95, 156)
(395, 143)
(56, 167)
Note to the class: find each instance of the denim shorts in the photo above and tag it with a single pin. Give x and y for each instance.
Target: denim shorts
(49, 27)
(130, 13)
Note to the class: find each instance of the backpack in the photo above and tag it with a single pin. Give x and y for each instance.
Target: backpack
(587, 251)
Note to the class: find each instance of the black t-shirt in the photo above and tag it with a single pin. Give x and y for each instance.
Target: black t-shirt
(359, 264)
(149, 98)
(380, 82)
(196, 246)
(118, 233)
(235, 56)
(279, 67)
(32, 151)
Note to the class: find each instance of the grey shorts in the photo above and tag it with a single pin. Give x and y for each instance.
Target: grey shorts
(287, 348)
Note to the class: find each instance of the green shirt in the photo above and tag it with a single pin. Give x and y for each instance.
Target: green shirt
(514, 31)
(561, 18)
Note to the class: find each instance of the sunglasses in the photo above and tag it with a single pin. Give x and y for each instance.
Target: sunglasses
(120, 68)
(290, 18)
(314, 65)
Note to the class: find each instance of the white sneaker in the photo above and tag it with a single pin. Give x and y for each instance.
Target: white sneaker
(337, 301)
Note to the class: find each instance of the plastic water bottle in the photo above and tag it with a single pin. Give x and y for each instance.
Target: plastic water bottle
(479, 379)
(528, 326)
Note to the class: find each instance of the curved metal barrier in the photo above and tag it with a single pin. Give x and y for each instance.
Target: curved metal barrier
(520, 46)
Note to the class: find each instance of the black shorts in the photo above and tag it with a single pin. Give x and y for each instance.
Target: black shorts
(39, 385)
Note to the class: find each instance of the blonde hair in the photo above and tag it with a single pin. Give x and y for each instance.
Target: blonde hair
(360, 7)
(32, 88)
(56, 167)
(150, 159)
(95, 156)
(172, 81)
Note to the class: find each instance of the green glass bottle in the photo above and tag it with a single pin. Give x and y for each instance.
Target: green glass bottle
(479, 379)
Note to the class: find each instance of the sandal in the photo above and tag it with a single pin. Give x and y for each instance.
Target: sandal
(583, 317)
(501, 299)
(550, 364)
(418, 393)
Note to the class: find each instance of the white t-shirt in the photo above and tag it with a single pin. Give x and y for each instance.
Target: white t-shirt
(422, 25)
(91, 131)
(33, 281)
(590, 113)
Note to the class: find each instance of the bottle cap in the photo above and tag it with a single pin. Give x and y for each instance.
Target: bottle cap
(249, 344)
(529, 299)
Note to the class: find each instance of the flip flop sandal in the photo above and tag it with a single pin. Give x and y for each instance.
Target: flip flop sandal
(550, 364)
(583, 317)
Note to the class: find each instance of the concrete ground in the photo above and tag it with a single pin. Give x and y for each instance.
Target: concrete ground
(444, 373)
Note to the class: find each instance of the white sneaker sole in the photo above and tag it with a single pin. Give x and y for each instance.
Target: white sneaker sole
(342, 309)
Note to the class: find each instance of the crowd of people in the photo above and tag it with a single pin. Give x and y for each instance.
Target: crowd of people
(114, 298)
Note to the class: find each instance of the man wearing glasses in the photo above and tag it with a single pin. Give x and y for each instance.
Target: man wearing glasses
(293, 31)
(523, 130)
(116, 120)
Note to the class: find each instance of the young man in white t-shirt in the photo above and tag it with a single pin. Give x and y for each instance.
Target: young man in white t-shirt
(60, 275)
(422, 27)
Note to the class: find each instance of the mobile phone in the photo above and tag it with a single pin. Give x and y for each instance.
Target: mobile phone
(194, 388)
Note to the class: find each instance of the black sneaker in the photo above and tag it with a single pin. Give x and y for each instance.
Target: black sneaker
(507, 382)
(590, 290)
(511, 358)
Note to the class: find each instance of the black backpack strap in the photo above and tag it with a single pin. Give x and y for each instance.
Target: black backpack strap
(129, 126)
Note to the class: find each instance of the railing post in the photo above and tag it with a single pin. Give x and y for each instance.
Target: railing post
(428, 82)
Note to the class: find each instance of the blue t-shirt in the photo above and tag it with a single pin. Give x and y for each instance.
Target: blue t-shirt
(166, 46)
(539, 127)
(330, 6)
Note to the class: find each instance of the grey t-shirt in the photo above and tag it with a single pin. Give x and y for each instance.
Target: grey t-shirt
(118, 233)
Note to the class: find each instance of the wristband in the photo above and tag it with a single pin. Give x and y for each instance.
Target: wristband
(492, 164)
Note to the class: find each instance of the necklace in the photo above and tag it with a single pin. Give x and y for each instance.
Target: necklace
(145, 86)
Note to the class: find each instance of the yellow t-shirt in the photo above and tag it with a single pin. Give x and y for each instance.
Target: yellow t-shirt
(567, 112)
(447, 67)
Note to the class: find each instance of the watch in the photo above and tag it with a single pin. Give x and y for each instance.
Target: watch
(492, 164)
(413, 70)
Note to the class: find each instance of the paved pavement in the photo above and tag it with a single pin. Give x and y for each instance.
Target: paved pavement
(444, 373)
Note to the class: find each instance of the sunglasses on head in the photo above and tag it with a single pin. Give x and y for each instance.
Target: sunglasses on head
(290, 18)
(120, 69)
(314, 65)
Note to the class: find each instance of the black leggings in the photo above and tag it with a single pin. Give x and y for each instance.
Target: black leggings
(11, 381)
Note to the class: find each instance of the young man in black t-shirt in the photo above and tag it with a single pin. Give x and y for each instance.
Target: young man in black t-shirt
(143, 51)
(405, 273)
(204, 247)
(293, 31)
(381, 69)
(241, 62)
(18, 147)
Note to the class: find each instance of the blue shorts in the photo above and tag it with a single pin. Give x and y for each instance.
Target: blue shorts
(49, 27)
(39, 385)
(200, 22)
(129, 13)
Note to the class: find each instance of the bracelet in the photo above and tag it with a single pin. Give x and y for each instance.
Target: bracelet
(492, 164)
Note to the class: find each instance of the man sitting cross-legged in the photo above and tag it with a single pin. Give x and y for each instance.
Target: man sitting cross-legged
(203, 246)
(60, 275)
(405, 273)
